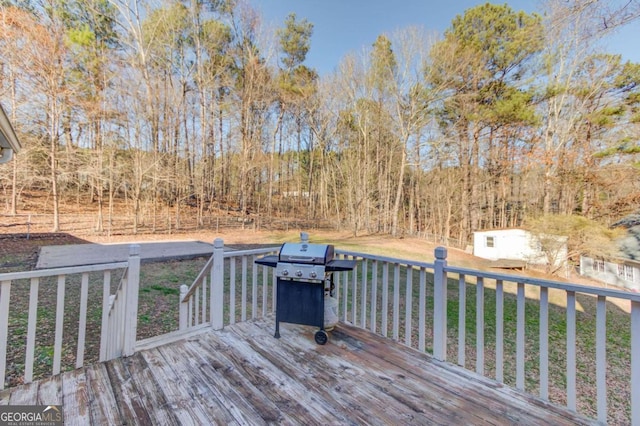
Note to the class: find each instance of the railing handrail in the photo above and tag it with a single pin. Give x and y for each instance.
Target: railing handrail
(196, 282)
(393, 260)
(69, 270)
(123, 280)
(227, 254)
(540, 282)
(251, 252)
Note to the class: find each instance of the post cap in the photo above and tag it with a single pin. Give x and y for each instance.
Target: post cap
(218, 243)
(440, 253)
(134, 250)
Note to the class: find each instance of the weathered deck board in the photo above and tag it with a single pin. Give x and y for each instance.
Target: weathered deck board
(246, 393)
(310, 367)
(24, 394)
(151, 393)
(75, 396)
(129, 406)
(215, 389)
(5, 394)
(50, 391)
(462, 392)
(180, 398)
(242, 375)
(101, 397)
(267, 383)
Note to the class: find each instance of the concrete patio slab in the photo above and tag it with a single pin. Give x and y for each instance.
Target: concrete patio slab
(89, 254)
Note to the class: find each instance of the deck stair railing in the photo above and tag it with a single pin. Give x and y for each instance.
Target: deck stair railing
(120, 320)
(229, 288)
(19, 295)
(520, 331)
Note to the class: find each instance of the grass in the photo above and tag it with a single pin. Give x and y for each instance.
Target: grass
(160, 294)
(163, 290)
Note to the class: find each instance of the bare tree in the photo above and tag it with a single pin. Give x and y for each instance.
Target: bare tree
(43, 60)
(573, 31)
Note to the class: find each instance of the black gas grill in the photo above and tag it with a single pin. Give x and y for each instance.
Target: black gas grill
(304, 272)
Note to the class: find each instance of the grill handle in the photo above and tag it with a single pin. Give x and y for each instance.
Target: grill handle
(300, 259)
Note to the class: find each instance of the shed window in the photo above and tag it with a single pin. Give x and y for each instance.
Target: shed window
(489, 242)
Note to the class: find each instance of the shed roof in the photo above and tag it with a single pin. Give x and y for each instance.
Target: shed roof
(9, 143)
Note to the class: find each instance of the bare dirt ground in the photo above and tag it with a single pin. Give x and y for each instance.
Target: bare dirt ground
(25, 250)
(17, 252)
(384, 245)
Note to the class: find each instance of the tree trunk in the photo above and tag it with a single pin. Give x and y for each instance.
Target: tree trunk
(396, 205)
(14, 187)
(53, 166)
(272, 155)
(14, 174)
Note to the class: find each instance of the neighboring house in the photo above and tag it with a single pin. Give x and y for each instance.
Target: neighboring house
(518, 244)
(9, 143)
(622, 273)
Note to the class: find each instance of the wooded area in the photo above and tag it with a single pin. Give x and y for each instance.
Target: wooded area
(506, 116)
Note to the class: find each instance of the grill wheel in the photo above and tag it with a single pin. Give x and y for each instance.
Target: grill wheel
(321, 337)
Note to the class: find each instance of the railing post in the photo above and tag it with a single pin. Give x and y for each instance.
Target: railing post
(217, 285)
(635, 363)
(440, 305)
(304, 237)
(5, 292)
(184, 307)
(131, 300)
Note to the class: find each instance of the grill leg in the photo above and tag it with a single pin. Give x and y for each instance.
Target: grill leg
(277, 335)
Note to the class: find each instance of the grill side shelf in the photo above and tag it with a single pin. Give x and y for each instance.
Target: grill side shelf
(339, 265)
(271, 260)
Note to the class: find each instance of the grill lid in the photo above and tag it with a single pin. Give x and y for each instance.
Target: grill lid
(306, 253)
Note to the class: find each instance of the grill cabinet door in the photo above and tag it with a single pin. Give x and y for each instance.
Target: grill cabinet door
(300, 302)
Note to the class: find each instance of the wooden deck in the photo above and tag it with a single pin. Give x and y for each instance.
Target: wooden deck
(243, 375)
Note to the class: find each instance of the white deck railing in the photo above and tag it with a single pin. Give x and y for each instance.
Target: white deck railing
(120, 321)
(246, 289)
(117, 324)
(535, 352)
(553, 339)
(517, 330)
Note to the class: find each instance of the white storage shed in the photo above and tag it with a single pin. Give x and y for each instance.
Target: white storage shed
(519, 244)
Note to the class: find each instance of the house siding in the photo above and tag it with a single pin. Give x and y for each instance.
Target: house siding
(608, 272)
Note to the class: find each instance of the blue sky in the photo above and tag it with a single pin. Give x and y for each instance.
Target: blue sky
(343, 26)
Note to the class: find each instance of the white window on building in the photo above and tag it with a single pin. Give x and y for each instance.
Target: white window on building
(625, 272)
(489, 242)
(598, 265)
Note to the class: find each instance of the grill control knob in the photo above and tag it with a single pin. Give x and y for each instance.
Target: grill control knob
(298, 273)
(285, 272)
(313, 274)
